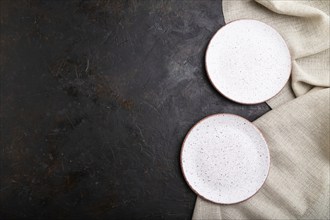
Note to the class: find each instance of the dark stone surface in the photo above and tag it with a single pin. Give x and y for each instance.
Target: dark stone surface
(96, 98)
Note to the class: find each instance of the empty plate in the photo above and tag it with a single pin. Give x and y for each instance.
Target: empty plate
(225, 159)
(248, 61)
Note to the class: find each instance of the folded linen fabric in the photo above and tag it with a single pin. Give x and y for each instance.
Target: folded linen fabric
(297, 129)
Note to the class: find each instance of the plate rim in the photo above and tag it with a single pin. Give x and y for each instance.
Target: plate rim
(208, 74)
(184, 141)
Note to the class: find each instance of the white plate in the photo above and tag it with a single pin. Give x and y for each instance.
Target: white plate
(225, 159)
(248, 61)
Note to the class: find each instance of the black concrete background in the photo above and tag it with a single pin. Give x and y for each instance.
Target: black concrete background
(96, 98)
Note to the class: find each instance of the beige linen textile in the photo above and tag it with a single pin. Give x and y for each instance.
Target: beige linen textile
(297, 129)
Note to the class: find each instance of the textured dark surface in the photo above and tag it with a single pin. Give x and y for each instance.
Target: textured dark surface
(96, 98)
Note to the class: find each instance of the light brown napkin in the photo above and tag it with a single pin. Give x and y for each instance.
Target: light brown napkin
(297, 129)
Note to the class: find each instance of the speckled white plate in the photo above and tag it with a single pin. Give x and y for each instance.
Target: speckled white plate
(225, 159)
(248, 61)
